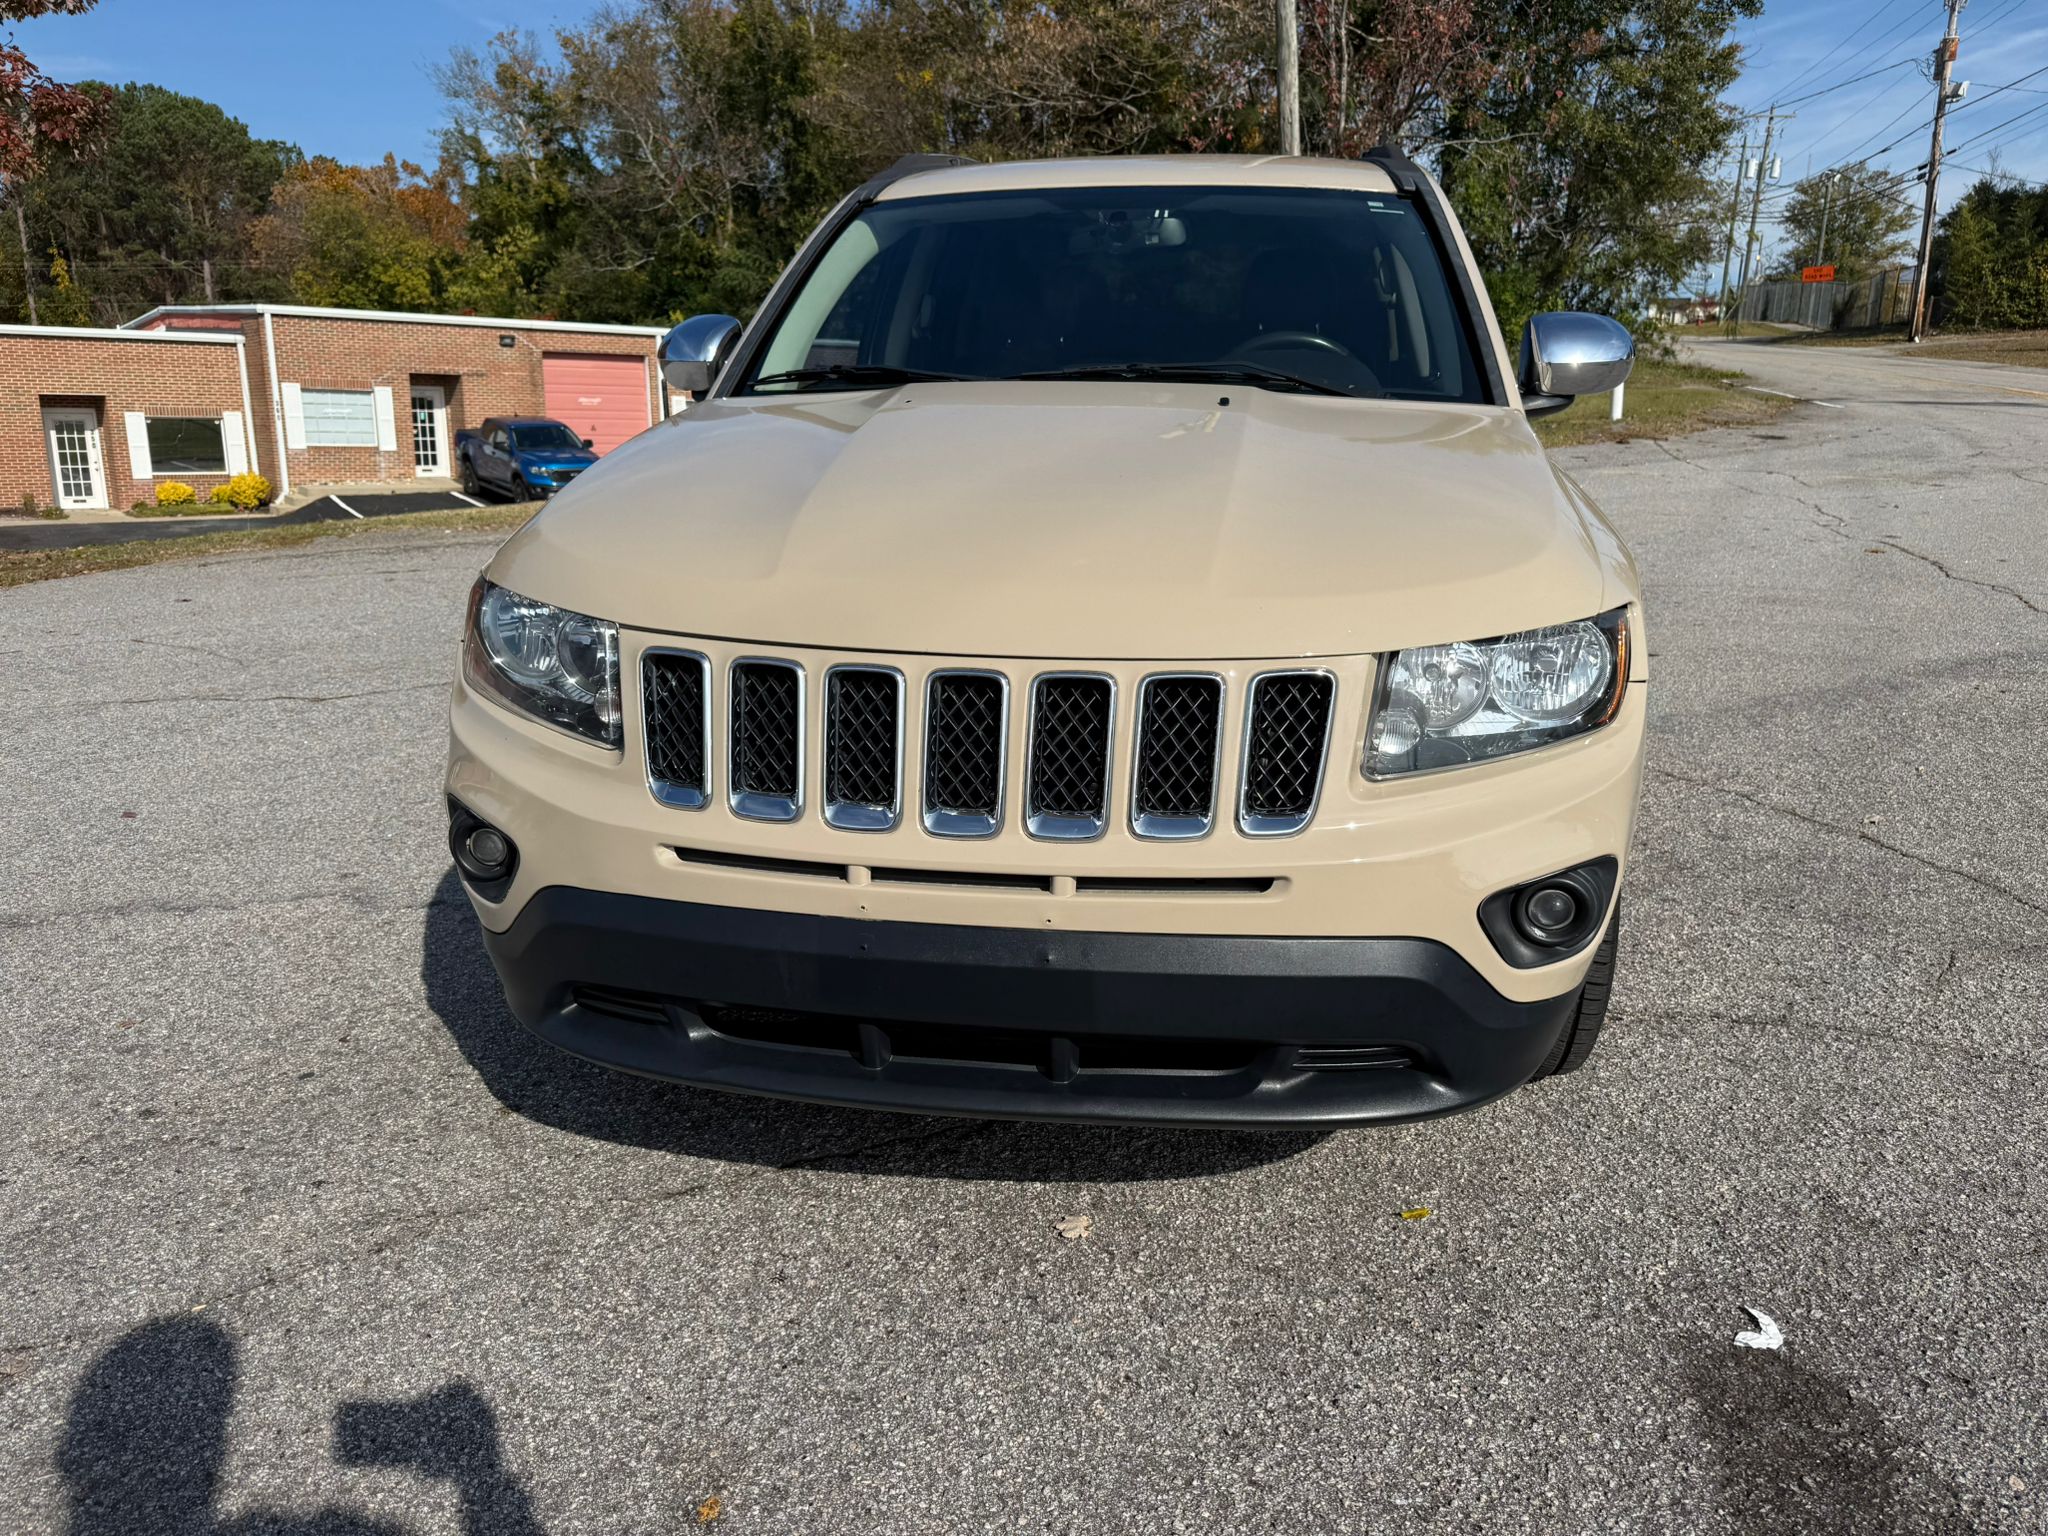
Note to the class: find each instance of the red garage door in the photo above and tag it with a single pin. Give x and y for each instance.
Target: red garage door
(601, 398)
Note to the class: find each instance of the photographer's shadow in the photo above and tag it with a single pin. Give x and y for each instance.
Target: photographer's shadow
(147, 1434)
(534, 1079)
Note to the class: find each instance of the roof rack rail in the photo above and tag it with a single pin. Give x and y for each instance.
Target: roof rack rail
(910, 165)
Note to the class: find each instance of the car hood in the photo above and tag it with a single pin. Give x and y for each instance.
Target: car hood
(546, 459)
(1076, 520)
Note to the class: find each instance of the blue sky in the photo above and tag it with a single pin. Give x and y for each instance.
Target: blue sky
(354, 79)
(1791, 51)
(348, 78)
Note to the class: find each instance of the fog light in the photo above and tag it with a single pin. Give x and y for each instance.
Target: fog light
(487, 857)
(1547, 910)
(1553, 918)
(488, 851)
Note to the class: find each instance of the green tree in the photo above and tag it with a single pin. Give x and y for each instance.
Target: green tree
(162, 212)
(41, 120)
(1865, 218)
(1582, 163)
(1991, 257)
(386, 236)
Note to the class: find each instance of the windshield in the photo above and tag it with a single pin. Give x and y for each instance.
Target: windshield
(549, 435)
(1341, 291)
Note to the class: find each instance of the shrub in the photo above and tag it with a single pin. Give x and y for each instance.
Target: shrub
(245, 491)
(175, 493)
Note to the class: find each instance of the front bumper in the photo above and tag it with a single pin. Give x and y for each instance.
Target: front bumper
(1163, 1028)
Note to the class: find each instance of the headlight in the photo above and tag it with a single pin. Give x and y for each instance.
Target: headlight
(559, 667)
(1441, 705)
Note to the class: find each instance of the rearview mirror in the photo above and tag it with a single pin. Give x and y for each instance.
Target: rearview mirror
(694, 352)
(1566, 354)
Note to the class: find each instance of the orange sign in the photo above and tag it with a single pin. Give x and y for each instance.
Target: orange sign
(1817, 274)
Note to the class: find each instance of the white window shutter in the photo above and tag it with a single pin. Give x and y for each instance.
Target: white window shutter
(138, 444)
(234, 442)
(387, 420)
(294, 416)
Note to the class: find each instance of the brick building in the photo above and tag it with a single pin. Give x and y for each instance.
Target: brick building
(93, 418)
(304, 396)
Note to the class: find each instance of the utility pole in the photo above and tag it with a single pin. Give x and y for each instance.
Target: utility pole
(1290, 79)
(28, 271)
(1734, 216)
(1756, 201)
(1944, 61)
(1820, 257)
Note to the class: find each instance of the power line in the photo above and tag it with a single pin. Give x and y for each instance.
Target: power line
(1814, 68)
(1852, 80)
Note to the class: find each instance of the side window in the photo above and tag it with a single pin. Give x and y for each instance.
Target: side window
(499, 439)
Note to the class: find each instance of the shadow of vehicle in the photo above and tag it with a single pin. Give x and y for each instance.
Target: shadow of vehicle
(147, 1435)
(531, 1077)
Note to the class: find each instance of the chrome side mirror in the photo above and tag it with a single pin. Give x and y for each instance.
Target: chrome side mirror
(694, 351)
(1566, 354)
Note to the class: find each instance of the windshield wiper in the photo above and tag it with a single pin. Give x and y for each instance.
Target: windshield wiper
(857, 376)
(1207, 373)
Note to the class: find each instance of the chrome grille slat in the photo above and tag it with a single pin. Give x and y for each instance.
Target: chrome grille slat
(863, 748)
(966, 746)
(765, 732)
(1286, 744)
(1179, 741)
(675, 696)
(1067, 779)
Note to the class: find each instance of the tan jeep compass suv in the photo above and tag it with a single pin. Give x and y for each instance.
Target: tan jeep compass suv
(1105, 644)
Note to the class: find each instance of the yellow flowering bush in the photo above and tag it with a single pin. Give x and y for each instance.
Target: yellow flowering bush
(175, 493)
(245, 491)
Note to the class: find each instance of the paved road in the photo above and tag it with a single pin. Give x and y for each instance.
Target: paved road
(328, 509)
(298, 1229)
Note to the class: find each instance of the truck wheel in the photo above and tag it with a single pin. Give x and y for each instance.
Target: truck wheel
(521, 491)
(470, 484)
(1577, 1042)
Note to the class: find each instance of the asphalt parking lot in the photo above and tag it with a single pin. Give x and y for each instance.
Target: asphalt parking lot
(360, 507)
(300, 1233)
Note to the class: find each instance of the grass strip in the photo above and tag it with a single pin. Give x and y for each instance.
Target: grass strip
(19, 567)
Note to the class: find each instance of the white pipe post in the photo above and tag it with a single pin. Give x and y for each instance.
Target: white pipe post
(1615, 414)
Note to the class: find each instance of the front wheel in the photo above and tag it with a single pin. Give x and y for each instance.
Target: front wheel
(1590, 1016)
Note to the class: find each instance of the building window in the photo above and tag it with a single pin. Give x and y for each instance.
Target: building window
(340, 418)
(187, 445)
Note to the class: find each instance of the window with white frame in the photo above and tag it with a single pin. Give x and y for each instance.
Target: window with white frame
(187, 445)
(340, 418)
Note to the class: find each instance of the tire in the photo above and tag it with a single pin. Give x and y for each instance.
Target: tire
(471, 486)
(1575, 1044)
(521, 491)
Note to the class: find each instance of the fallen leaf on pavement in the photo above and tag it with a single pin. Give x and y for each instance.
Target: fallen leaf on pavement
(1416, 1213)
(1071, 1227)
(709, 1510)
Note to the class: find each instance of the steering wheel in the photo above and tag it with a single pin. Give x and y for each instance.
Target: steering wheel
(1274, 341)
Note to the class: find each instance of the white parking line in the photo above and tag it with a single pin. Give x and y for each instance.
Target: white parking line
(470, 499)
(1828, 403)
(351, 511)
(1759, 389)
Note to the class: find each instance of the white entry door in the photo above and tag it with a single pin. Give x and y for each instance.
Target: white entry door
(76, 466)
(430, 456)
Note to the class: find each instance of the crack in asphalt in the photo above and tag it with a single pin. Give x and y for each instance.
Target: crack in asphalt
(359, 900)
(420, 1224)
(262, 698)
(2014, 593)
(1855, 834)
(1790, 1024)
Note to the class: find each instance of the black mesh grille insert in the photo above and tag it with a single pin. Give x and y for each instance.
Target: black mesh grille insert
(764, 729)
(675, 719)
(963, 754)
(860, 738)
(1177, 725)
(1070, 747)
(1284, 753)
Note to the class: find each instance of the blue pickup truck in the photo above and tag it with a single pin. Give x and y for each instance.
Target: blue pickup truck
(527, 458)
